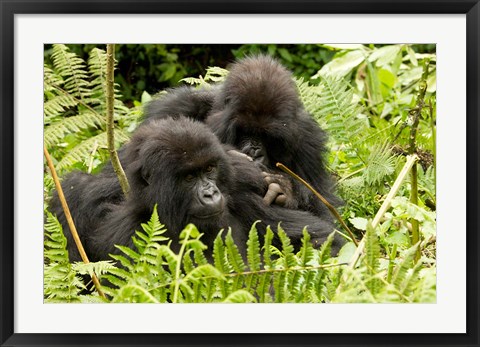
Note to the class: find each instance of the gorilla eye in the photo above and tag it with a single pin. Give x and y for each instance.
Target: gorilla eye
(210, 168)
(189, 178)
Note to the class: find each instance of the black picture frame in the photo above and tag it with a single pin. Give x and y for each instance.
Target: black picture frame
(10, 8)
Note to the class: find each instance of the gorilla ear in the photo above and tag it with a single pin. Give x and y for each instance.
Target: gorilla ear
(137, 175)
(145, 175)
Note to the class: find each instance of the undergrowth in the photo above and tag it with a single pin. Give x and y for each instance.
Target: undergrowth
(153, 273)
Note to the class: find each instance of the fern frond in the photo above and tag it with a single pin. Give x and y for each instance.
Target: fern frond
(221, 262)
(202, 271)
(97, 66)
(132, 294)
(73, 70)
(235, 259)
(380, 163)
(338, 113)
(82, 152)
(425, 290)
(400, 280)
(58, 104)
(253, 249)
(240, 296)
(310, 96)
(98, 268)
(372, 256)
(214, 74)
(60, 283)
(50, 79)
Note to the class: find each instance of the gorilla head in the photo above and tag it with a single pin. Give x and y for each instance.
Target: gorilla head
(179, 166)
(256, 110)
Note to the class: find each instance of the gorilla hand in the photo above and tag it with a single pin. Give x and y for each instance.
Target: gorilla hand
(280, 191)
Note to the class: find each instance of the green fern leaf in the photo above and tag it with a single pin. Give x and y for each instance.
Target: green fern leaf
(82, 152)
(73, 70)
(240, 296)
(60, 282)
(98, 268)
(202, 271)
(123, 260)
(372, 256)
(57, 131)
(401, 270)
(233, 254)
(57, 105)
(235, 259)
(425, 289)
(253, 249)
(221, 262)
(338, 113)
(380, 164)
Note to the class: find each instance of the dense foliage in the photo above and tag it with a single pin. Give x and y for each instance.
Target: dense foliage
(368, 98)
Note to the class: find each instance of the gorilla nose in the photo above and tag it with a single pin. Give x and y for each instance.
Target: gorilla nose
(257, 153)
(254, 152)
(211, 197)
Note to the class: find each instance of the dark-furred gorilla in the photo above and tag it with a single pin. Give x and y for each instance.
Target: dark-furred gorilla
(180, 166)
(257, 110)
(182, 101)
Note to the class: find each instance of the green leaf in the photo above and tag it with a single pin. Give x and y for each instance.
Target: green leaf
(190, 231)
(373, 85)
(253, 249)
(206, 270)
(233, 254)
(285, 54)
(411, 56)
(359, 223)
(385, 55)
(240, 296)
(341, 66)
(346, 252)
(345, 46)
(145, 97)
(398, 238)
(131, 253)
(387, 78)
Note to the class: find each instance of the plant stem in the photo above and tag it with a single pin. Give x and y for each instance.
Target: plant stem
(415, 114)
(411, 160)
(117, 166)
(322, 199)
(178, 268)
(69, 218)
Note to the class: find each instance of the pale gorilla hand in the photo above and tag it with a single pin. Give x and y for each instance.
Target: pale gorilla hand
(280, 190)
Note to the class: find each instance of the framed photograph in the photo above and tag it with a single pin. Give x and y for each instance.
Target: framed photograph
(243, 85)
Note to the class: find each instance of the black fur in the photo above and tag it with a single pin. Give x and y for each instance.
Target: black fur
(182, 101)
(156, 161)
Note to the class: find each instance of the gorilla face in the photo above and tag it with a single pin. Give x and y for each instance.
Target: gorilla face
(208, 201)
(180, 166)
(255, 149)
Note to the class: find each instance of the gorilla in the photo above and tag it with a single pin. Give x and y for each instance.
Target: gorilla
(257, 110)
(183, 101)
(180, 166)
